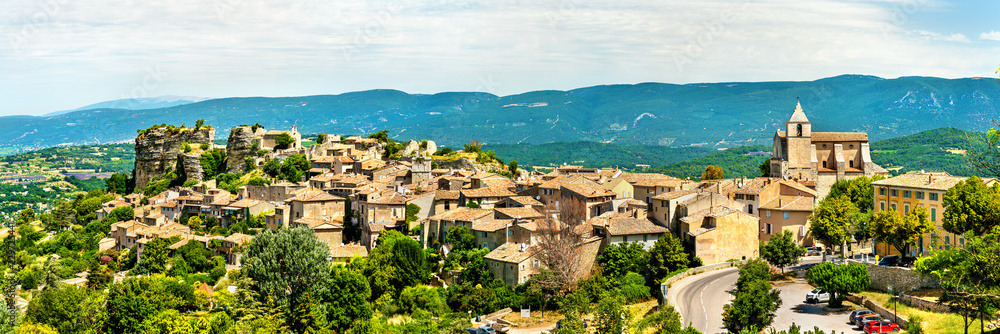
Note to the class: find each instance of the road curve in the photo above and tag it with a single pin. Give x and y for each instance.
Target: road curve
(699, 298)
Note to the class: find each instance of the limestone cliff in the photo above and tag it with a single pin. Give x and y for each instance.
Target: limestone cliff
(192, 166)
(239, 146)
(157, 149)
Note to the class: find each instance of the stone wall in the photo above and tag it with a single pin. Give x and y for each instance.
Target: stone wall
(923, 304)
(901, 279)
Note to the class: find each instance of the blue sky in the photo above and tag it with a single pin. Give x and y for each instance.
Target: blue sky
(63, 54)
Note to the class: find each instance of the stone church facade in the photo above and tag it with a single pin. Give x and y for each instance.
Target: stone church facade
(820, 159)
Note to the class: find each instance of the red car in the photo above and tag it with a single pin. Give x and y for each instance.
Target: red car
(881, 327)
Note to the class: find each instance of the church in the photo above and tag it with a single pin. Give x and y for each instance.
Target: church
(820, 159)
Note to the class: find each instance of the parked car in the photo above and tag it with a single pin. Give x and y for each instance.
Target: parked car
(881, 327)
(817, 296)
(487, 330)
(906, 262)
(889, 261)
(865, 321)
(472, 330)
(859, 320)
(857, 314)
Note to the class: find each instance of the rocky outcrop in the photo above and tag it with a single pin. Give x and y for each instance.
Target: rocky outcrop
(191, 162)
(431, 147)
(238, 148)
(463, 163)
(157, 149)
(412, 147)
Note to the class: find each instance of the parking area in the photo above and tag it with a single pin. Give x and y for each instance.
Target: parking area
(794, 309)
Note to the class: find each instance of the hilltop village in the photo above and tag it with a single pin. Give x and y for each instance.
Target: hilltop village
(352, 191)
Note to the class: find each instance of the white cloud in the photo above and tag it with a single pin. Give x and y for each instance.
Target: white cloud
(86, 53)
(992, 35)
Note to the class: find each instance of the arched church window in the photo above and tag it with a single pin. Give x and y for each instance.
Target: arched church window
(799, 128)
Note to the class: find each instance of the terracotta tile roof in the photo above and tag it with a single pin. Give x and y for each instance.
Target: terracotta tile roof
(510, 253)
(389, 197)
(446, 194)
(560, 180)
(522, 212)
(462, 214)
(627, 225)
(525, 200)
(752, 186)
(239, 238)
(789, 203)
(531, 225)
(932, 181)
(313, 223)
(636, 177)
(673, 195)
(798, 186)
(487, 192)
(492, 225)
(348, 251)
(588, 191)
(315, 195)
(714, 212)
(245, 203)
(324, 159)
(834, 136)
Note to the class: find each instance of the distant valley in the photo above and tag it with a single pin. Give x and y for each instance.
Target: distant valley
(709, 116)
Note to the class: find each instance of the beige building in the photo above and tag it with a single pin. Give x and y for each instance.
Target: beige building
(435, 228)
(720, 233)
(268, 140)
(820, 158)
(904, 192)
(625, 227)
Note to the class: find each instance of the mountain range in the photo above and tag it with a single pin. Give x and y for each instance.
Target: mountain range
(137, 103)
(710, 115)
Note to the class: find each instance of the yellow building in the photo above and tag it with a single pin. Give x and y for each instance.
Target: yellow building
(904, 192)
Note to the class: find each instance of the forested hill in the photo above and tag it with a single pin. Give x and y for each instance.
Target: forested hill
(714, 115)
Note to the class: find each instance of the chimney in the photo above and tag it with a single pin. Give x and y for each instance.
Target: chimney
(930, 178)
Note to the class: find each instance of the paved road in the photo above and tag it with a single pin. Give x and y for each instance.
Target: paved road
(794, 309)
(700, 298)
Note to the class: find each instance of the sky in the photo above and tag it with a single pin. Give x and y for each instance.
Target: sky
(64, 54)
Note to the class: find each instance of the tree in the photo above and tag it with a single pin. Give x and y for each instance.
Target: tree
(619, 259)
(612, 316)
(346, 298)
(117, 183)
(321, 138)
(283, 141)
(132, 302)
(272, 167)
(666, 256)
(213, 163)
(294, 167)
(25, 216)
(765, 168)
(31, 328)
(839, 280)
(100, 276)
(859, 190)
(754, 302)
(195, 223)
(781, 251)
(422, 297)
(985, 159)
(396, 262)
(971, 206)
(831, 220)
(199, 123)
(969, 275)
(59, 307)
(264, 261)
(512, 168)
(712, 172)
(665, 321)
(155, 255)
(558, 248)
(460, 238)
(901, 232)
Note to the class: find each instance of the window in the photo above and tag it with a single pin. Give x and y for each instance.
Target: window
(786, 215)
(769, 229)
(933, 214)
(824, 164)
(484, 234)
(947, 240)
(767, 213)
(920, 195)
(647, 200)
(881, 191)
(644, 238)
(906, 209)
(961, 241)
(851, 163)
(882, 206)
(798, 128)
(663, 204)
(750, 208)
(906, 194)
(894, 193)
(934, 196)
(510, 232)
(850, 146)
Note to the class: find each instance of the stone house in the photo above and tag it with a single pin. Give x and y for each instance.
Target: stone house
(330, 231)
(624, 227)
(267, 142)
(493, 233)
(664, 210)
(315, 203)
(344, 254)
(277, 219)
(445, 200)
(523, 201)
(720, 233)
(550, 192)
(487, 197)
(385, 206)
(243, 209)
(231, 247)
(435, 228)
(586, 199)
(512, 263)
(517, 213)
